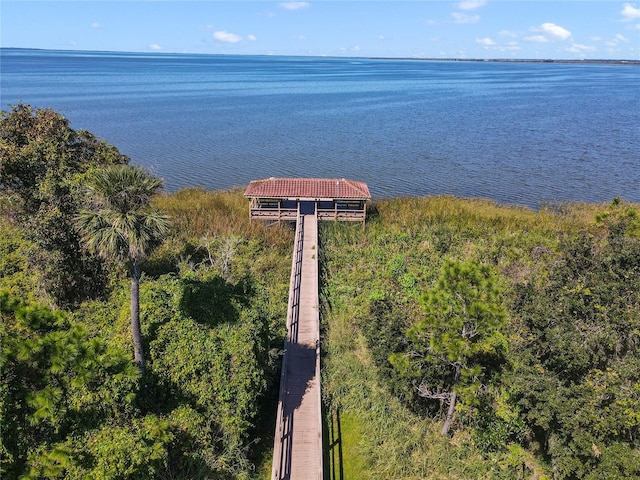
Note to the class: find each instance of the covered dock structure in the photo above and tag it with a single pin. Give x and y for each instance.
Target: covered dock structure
(283, 199)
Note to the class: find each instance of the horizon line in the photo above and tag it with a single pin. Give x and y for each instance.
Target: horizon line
(443, 59)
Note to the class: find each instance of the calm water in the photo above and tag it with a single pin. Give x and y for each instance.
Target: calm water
(516, 133)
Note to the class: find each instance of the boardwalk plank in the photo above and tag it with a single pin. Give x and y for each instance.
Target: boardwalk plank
(298, 442)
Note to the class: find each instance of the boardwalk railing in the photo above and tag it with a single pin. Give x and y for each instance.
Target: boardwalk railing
(275, 211)
(342, 215)
(299, 416)
(282, 452)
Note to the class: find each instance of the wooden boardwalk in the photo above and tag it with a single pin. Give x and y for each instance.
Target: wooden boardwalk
(297, 453)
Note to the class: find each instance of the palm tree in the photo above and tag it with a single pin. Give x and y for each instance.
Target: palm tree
(121, 226)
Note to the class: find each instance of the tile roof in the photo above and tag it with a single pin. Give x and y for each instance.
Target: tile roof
(315, 188)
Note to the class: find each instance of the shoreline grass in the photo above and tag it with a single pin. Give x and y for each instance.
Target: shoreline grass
(396, 257)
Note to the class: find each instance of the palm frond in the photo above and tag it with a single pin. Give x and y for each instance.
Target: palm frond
(122, 227)
(124, 187)
(101, 234)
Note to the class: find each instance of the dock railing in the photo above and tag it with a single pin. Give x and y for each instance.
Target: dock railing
(282, 450)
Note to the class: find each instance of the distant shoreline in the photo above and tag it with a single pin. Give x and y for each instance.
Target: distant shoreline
(519, 60)
(418, 59)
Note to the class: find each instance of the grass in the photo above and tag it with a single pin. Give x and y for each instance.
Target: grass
(398, 257)
(198, 212)
(345, 435)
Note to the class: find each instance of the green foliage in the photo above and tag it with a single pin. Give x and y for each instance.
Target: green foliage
(67, 272)
(211, 346)
(40, 153)
(122, 226)
(577, 378)
(56, 382)
(14, 262)
(72, 405)
(494, 429)
(42, 163)
(459, 344)
(217, 363)
(562, 400)
(463, 315)
(368, 308)
(384, 331)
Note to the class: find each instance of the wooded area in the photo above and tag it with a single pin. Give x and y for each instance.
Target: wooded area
(211, 302)
(527, 320)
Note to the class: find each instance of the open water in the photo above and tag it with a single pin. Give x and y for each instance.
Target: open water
(518, 133)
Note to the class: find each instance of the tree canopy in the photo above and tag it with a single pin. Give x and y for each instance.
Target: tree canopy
(72, 403)
(459, 339)
(42, 164)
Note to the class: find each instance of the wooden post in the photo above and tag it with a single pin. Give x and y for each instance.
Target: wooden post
(364, 216)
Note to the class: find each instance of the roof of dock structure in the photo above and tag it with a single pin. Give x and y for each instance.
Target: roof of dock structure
(311, 188)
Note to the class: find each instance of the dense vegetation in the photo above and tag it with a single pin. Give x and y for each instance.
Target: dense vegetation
(461, 339)
(530, 319)
(212, 299)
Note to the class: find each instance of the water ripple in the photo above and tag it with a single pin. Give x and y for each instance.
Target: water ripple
(516, 133)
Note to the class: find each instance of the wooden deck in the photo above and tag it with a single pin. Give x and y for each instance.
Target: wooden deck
(297, 453)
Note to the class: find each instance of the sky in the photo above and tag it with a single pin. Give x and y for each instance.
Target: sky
(518, 29)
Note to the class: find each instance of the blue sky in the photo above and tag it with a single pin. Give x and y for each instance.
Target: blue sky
(578, 29)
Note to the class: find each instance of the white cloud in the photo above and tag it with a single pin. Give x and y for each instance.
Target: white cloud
(380, 37)
(471, 4)
(579, 48)
(463, 18)
(252, 38)
(294, 5)
(96, 25)
(226, 37)
(508, 33)
(616, 40)
(630, 11)
(548, 31)
(555, 31)
(537, 39)
(487, 42)
(155, 46)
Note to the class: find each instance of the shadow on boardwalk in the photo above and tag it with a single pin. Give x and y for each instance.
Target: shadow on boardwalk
(301, 374)
(298, 439)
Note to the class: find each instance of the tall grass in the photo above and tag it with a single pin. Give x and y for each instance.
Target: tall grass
(398, 256)
(200, 217)
(200, 212)
(410, 211)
